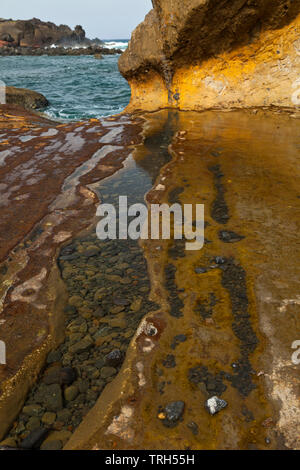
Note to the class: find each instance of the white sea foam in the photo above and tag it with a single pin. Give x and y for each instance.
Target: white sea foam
(116, 44)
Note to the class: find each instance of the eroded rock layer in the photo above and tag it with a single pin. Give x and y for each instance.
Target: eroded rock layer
(206, 54)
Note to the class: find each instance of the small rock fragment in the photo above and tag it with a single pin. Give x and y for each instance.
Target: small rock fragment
(114, 358)
(49, 418)
(200, 270)
(215, 404)
(71, 393)
(193, 427)
(220, 260)
(228, 236)
(35, 439)
(67, 375)
(173, 412)
(107, 372)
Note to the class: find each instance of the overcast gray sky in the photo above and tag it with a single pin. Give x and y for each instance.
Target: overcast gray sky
(107, 19)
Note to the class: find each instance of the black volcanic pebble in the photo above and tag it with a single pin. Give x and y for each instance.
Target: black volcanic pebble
(220, 260)
(67, 375)
(200, 270)
(114, 358)
(193, 427)
(174, 412)
(34, 439)
(228, 236)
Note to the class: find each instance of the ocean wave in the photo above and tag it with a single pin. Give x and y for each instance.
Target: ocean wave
(77, 88)
(116, 44)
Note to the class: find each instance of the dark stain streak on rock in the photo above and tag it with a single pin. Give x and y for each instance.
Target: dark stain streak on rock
(219, 208)
(176, 304)
(205, 308)
(234, 281)
(213, 383)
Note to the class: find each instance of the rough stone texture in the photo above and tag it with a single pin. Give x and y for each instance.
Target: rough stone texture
(206, 54)
(27, 99)
(35, 32)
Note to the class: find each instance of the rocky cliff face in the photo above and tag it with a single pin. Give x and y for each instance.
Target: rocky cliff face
(205, 54)
(38, 33)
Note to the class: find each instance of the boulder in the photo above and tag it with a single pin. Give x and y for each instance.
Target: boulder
(28, 99)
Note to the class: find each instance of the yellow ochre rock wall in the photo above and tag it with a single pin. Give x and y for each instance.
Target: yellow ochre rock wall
(263, 70)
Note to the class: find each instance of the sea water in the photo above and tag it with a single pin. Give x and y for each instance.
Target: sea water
(77, 87)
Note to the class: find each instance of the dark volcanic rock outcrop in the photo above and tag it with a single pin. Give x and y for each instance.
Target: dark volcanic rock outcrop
(6, 50)
(39, 33)
(215, 53)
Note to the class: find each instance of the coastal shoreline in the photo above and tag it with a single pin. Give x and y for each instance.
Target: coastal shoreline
(134, 344)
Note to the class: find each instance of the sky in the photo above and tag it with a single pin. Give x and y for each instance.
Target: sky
(106, 19)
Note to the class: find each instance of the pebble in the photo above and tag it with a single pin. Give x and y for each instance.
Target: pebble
(173, 412)
(62, 436)
(193, 427)
(136, 305)
(34, 439)
(32, 410)
(9, 442)
(121, 301)
(118, 323)
(114, 358)
(52, 375)
(49, 418)
(200, 270)
(54, 356)
(107, 372)
(71, 393)
(33, 423)
(116, 310)
(220, 260)
(67, 375)
(83, 345)
(75, 301)
(64, 415)
(215, 404)
(228, 236)
(50, 396)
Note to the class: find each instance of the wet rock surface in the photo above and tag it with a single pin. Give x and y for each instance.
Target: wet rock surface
(161, 354)
(213, 344)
